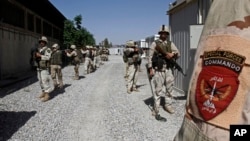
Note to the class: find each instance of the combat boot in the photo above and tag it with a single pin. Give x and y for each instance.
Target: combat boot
(42, 95)
(160, 118)
(136, 90)
(169, 109)
(155, 111)
(60, 86)
(46, 97)
(55, 86)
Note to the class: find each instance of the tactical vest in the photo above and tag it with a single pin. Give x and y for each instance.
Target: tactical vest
(56, 58)
(158, 60)
(76, 59)
(44, 64)
(165, 47)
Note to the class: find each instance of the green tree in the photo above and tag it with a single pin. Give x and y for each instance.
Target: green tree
(68, 34)
(74, 33)
(106, 43)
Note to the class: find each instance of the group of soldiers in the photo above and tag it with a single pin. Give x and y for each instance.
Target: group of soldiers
(92, 57)
(48, 62)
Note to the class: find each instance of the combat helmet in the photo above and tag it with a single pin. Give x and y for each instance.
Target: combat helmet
(163, 29)
(130, 43)
(73, 46)
(44, 39)
(56, 46)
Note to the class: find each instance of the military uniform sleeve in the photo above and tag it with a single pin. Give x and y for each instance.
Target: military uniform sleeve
(127, 51)
(151, 53)
(73, 53)
(175, 49)
(46, 55)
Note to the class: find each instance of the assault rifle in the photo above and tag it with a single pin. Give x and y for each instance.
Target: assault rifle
(171, 61)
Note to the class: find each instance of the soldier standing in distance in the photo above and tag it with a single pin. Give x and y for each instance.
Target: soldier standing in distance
(75, 60)
(161, 72)
(132, 54)
(125, 60)
(56, 66)
(43, 56)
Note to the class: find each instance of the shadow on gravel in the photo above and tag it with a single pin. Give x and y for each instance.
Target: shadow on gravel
(138, 86)
(56, 92)
(81, 77)
(11, 121)
(15, 86)
(149, 102)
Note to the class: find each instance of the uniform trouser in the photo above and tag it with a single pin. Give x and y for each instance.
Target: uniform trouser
(132, 76)
(197, 130)
(98, 61)
(104, 57)
(94, 62)
(126, 70)
(88, 62)
(163, 83)
(56, 74)
(44, 80)
(76, 69)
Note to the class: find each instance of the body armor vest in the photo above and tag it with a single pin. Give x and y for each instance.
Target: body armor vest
(158, 60)
(44, 64)
(56, 58)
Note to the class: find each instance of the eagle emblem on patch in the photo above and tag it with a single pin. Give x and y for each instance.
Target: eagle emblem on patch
(217, 83)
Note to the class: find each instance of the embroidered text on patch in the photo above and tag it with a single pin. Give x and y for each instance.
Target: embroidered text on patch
(217, 82)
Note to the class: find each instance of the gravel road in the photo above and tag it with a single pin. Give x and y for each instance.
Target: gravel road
(94, 108)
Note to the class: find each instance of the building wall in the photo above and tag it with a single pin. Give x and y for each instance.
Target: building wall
(182, 15)
(20, 29)
(179, 26)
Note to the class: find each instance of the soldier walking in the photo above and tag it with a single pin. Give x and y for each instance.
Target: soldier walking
(43, 55)
(56, 66)
(161, 71)
(132, 54)
(75, 59)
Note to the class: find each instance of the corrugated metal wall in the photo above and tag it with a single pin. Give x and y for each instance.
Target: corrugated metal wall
(179, 25)
(181, 18)
(20, 30)
(15, 51)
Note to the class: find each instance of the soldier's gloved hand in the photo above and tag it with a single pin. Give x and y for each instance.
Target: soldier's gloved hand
(38, 55)
(169, 55)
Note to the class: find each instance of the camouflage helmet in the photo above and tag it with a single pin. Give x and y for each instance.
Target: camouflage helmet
(44, 39)
(130, 43)
(56, 46)
(73, 46)
(163, 29)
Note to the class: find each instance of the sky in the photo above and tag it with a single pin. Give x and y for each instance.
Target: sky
(117, 20)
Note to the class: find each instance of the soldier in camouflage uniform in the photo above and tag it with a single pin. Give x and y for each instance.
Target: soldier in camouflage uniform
(98, 57)
(56, 66)
(42, 56)
(75, 60)
(125, 60)
(161, 71)
(133, 57)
